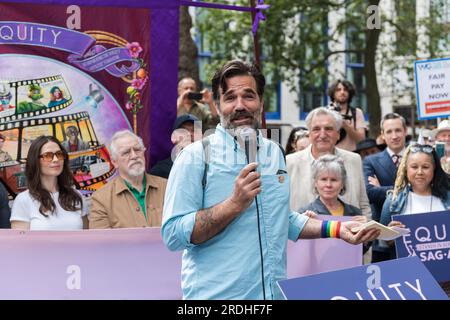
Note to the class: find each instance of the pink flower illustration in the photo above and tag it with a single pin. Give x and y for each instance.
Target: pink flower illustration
(139, 84)
(129, 105)
(134, 49)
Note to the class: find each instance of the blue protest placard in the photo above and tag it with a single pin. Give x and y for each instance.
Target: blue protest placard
(400, 279)
(429, 240)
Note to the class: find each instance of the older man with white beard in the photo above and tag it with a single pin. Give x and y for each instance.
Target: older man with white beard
(134, 198)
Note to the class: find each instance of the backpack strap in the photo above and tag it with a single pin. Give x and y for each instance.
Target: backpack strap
(282, 151)
(353, 115)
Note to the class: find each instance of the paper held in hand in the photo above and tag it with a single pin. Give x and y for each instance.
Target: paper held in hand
(386, 232)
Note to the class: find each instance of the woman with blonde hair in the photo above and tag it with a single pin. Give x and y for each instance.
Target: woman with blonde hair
(421, 186)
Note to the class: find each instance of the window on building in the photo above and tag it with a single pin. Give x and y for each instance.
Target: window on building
(312, 97)
(440, 26)
(355, 67)
(313, 80)
(272, 97)
(356, 76)
(355, 41)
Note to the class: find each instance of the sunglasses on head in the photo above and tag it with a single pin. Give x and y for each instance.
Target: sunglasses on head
(422, 148)
(48, 156)
(301, 133)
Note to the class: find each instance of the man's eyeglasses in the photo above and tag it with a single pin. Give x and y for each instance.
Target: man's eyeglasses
(127, 153)
(48, 156)
(421, 148)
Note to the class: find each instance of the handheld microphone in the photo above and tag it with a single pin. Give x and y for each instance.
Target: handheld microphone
(248, 136)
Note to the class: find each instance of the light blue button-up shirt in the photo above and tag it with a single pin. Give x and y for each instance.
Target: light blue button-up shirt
(229, 265)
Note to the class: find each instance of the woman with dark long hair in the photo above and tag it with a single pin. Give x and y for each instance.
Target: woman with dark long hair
(298, 140)
(51, 201)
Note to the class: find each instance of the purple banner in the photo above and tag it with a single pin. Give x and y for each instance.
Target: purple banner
(99, 58)
(88, 264)
(95, 59)
(151, 25)
(400, 279)
(307, 257)
(42, 35)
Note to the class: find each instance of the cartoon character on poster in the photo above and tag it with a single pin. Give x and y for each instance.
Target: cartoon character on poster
(71, 106)
(61, 98)
(6, 108)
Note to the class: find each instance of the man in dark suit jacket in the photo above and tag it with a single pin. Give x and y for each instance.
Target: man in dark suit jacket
(380, 170)
(5, 211)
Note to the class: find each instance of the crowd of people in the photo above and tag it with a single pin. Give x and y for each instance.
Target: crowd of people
(213, 202)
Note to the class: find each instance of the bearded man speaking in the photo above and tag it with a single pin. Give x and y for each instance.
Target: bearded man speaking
(228, 210)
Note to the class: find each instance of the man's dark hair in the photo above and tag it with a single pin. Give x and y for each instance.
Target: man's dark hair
(391, 116)
(440, 183)
(236, 68)
(347, 85)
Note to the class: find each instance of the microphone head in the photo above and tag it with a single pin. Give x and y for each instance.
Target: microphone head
(247, 137)
(246, 132)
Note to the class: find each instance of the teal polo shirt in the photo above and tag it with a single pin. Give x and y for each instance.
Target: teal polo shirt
(139, 196)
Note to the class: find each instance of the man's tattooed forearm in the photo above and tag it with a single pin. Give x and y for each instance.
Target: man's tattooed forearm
(207, 220)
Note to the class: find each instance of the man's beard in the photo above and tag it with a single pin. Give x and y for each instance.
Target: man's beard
(226, 121)
(342, 100)
(136, 169)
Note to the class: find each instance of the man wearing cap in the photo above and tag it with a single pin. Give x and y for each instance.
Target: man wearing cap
(183, 134)
(380, 171)
(442, 137)
(188, 105)
(133, 199)
(442, 133)
(5, 97)
(368, 147)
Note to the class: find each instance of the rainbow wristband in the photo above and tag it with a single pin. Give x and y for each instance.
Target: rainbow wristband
(330, 229)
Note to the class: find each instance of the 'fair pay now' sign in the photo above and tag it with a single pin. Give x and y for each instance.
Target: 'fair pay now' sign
(433, 88)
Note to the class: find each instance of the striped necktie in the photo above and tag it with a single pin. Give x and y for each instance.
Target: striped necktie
(396, 160)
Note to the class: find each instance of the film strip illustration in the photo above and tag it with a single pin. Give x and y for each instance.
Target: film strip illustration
(85, 185)
(90, 165)
(20, 124)
(36, 97)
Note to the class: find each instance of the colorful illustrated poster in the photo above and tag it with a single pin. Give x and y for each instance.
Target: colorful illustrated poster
(81, 73)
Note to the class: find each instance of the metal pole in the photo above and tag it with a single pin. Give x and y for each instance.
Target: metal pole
(256, 49)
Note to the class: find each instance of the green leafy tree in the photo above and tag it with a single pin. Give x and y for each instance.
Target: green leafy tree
(187, 66)
(296, 41)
